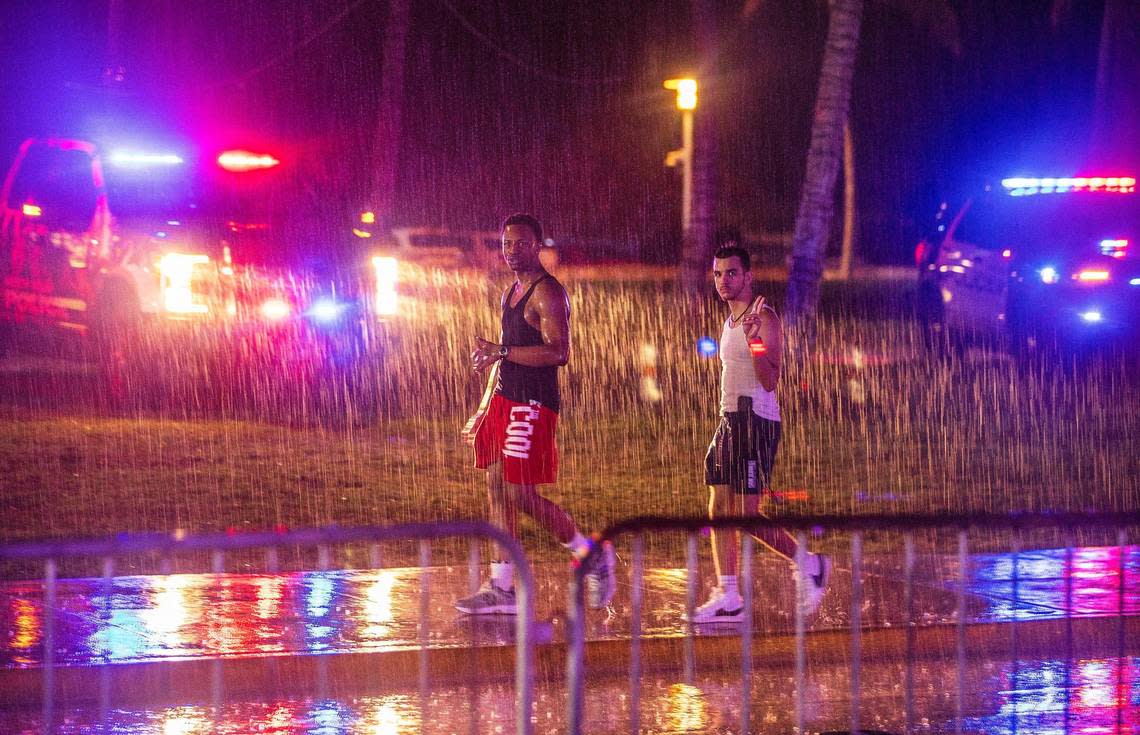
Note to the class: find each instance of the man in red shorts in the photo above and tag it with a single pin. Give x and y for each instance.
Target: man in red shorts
(515, 443)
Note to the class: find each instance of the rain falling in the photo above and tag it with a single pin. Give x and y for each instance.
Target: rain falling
(247, 249)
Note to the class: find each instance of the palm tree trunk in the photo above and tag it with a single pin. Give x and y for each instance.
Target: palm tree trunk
(386, 146)
(817, 201)
(847, 253)
(1117, 101)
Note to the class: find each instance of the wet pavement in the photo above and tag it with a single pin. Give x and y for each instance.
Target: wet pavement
(1046, 651)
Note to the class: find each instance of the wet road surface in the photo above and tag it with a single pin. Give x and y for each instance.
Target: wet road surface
(1047, 651)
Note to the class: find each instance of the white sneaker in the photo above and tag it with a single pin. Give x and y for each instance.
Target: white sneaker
(489, 600)
(721, 607)
(814, 574)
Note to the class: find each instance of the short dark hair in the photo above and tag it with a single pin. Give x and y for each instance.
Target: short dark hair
(729, 251)
(528, 220)
(726, 236)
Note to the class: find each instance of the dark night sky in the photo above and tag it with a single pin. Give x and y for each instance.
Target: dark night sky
(486, 135)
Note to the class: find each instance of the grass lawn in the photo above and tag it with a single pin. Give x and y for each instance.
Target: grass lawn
(871, 424)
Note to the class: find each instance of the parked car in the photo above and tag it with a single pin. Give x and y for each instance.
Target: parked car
(1034, 263)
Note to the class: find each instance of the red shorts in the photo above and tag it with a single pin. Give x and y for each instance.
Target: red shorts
(521, 436)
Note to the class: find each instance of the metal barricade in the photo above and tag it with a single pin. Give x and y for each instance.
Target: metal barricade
(1112, 526)
(50, 553)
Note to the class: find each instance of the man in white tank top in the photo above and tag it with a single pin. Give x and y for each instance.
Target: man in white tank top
(738, 466)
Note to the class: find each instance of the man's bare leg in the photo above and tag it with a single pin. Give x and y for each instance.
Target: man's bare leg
(500, 511)
(546, 513)
(497, 596)
(508, 499)
(813, 569)
(723, 542)
(778, 540)
(724, 603)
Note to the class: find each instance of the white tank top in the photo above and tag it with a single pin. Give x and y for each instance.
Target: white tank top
(738, 377)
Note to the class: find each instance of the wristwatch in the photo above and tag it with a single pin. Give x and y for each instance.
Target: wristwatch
(503, 352)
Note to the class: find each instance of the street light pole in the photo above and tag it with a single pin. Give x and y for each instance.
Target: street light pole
(686, 102)
(687, 174)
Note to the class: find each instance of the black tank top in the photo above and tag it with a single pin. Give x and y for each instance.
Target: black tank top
(520, 383)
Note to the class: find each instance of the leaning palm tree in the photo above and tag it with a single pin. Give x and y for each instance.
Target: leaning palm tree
(1114, 136)
(817, 206)
(817, 203)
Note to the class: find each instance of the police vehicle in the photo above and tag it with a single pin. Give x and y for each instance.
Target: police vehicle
(87, 233)
(128, 247)
(1036, 263)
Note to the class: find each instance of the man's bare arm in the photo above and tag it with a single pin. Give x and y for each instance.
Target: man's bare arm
(552, 307)
(766, 360)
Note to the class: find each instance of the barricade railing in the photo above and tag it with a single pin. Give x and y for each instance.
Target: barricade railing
(1114, 526)
(51, 552)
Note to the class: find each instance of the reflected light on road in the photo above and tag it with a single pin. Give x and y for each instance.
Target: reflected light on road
(25, 628)
(666, 579)
(267, 611)
(229, 631)
(1104, 699)
(320, 590)
(329, 717)
(1096, 684)
(168, 612)
(186, 721)
(319, 597)
(269, 590)
(685, 709)
(1032, 585)
(392, 715)
(377, 606)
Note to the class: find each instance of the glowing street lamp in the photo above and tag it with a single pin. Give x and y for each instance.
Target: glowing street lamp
(686, 102)
(686, 92)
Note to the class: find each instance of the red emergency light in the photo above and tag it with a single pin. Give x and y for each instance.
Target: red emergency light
(240, 161)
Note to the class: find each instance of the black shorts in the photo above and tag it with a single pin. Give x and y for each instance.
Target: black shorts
(742, 452)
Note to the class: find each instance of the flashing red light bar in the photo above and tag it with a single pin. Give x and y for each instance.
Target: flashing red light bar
(241, 161)
(1024, 186)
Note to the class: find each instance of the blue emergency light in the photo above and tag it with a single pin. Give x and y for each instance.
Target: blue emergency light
(326, 310)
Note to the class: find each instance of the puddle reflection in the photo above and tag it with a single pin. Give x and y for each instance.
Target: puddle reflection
(186, 615)
(1084, 697)
(1047, 583)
